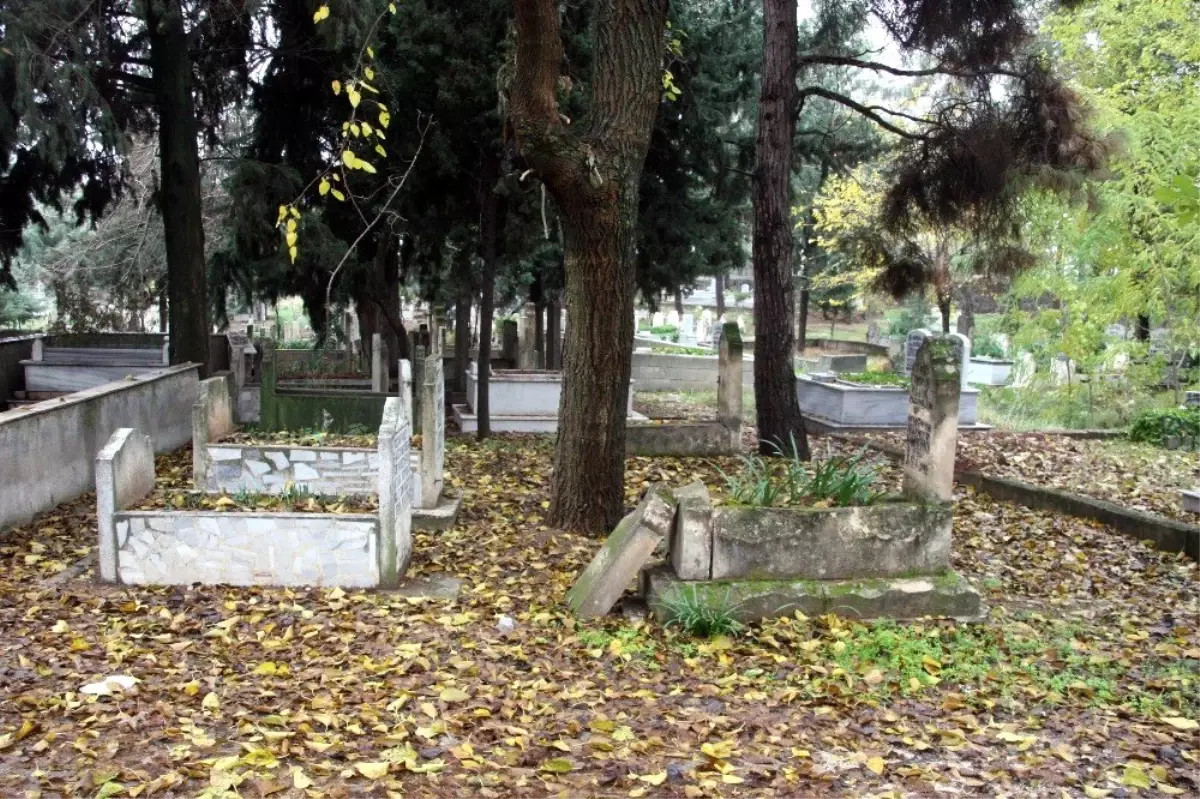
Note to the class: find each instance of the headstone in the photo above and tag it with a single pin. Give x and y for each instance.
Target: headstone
(729, 382)
(433, 435)
(418, 381)
(166, 353)
(692, 534)
(718, 331)
(933, 421)
(124, 474)
(624, 553)
(658, 320)
(687, 331)
(874, 336)
(406, 388)
(39, 351)
(912, 344)
(527, 357)
(1191, 399)
(673, 318)
(212, 419)
(509, 340)
(1191, 500)
(1024, 369)
(962, 344)
(1060, 370)
(1115, 331)
(379, 381)
(395, 494)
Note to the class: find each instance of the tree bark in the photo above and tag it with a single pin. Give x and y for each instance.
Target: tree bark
(1141, 331)
(943, 302)
(802, 319)
(719, 290)
(779, 419)
(179, 164)
(462, 337)
(592, 172)
(553, 331)
(679, 301)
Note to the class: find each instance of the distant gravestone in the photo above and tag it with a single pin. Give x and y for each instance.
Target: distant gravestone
(418, 381)
(406, 389)
(1060, 370)
(1024, 369)
(932, 434)
(378, 365)
(433, 431)
(395, 494)
(875, 336)
(658, 320)
(687, 330)
(718, 332)
(962, 346)
(729, 383)
(527, 354)
(912, 344)
(1191, 399)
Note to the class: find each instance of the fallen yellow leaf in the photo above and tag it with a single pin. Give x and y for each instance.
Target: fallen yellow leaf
(372, 770)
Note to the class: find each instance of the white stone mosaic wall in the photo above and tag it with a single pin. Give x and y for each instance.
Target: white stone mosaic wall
(180, 548)
(267, 469)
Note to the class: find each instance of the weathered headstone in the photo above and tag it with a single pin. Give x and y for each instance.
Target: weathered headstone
(212, 418)
(39, 349)
(406, 388)
(718, 331)
(379, 379)
(395, 494)
(624, 553)
(418, 381)
(874, 336)
(687, 330)
(963, 347)
(1191, 399)
(912, 343)
(658, 320)
(729, 382)
(433, 436)
(124, 474)
(1024, 369)
(1060, 370)
(509, 340)
(691, 533)
(932, 434)
(166, 353)
(528, 349)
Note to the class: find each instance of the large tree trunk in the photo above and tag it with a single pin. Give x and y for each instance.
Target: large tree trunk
(719, 290)
(553, 330)
(943, 302)
(179, 159)
(592, 172)
(679, 301)
(779, 419)
(462, 337)
(802, 318)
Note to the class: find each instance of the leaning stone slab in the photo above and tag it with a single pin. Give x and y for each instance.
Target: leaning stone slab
(623, 554)
(691, 533)
(944, 595)
(124, 474)
(884, 540)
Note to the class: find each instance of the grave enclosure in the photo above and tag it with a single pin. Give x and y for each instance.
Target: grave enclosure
(331, 471)
(177, 547)
(886, 560)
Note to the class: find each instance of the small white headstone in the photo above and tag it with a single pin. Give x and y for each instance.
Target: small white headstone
(406, 389)
(1024, 369)
(1060, 370)
(433, 432)
(962, 344)
(378, 369)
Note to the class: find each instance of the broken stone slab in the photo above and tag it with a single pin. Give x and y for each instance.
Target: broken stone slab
(944, 595)
(886, 540)
(691, 533)
(624, 553)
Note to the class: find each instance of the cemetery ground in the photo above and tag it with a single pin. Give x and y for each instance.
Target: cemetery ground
(1083, 681)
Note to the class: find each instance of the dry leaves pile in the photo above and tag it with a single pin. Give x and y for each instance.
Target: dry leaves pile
(1083, 682)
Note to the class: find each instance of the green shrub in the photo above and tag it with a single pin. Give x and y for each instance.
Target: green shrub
(666, 331)
(877, 379)
(667, 349)
(703, 615)
(985, 345)
(1154, 426)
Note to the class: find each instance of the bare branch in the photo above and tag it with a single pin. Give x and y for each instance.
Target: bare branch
(867, 111)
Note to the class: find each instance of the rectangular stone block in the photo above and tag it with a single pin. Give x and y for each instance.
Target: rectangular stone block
(691, 533)
(124, 474)
(885, 540)
(624, 553)
(932, 433)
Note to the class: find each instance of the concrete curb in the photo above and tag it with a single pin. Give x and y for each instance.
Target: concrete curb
(1167, 535)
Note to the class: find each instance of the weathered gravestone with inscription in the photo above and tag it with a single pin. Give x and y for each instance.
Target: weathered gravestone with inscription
(912, 343)
(433, 437)
(933, 421)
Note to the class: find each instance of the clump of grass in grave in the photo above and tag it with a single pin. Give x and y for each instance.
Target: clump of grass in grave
(703, 614)
(840, 481)
(247, 497)
(756, 484)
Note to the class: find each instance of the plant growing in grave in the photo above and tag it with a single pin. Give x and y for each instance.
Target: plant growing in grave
(842, 481)
(1158, 425)
(757, 484)
(703, 614)
(877, 379)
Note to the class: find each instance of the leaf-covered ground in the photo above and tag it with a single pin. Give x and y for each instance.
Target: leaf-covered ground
(1139, 476)
(1083, 681)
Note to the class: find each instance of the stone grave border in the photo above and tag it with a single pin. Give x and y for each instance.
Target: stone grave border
(178, 547)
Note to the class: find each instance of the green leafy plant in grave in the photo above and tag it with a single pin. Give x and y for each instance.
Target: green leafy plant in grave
(666, 331)
(985, 345)
(1155, 426)
(757, 484)
(626, 641)
(703, 614)
(877, 379)
(842, 481)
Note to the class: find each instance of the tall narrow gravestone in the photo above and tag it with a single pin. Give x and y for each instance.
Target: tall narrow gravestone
(911, 345)
(933, 421)
(963, 346)
(379, 379)
(406, 389)
(433, 431)
(729, 382)
(418, 381)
